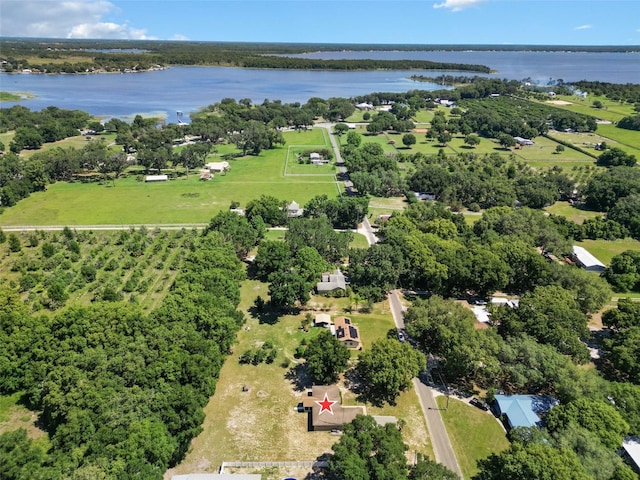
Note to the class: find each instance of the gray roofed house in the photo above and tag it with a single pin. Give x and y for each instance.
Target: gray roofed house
(294, 210)
(331, 282)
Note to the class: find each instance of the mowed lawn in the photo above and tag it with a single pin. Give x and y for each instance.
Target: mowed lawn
(185, 200)
(261, 423)
(605, 250)
(627, 140)
(474, 434)
(572, 212)
(612, 111)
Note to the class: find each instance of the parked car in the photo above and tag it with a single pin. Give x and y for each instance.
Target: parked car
(476, 402)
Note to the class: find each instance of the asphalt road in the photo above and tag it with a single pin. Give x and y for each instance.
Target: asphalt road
(439, 437)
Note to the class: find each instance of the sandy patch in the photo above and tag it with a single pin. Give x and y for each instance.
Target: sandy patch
(559, 102)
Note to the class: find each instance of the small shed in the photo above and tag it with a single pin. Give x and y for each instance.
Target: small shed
(156, 178)
(322, 320)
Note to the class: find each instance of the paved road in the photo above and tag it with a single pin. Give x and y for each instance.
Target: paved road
(439, 437)
(366, 228)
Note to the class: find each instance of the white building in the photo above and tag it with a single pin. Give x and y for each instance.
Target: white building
(587, 261)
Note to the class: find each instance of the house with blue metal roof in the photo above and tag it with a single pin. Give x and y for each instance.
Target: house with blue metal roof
(523, 410)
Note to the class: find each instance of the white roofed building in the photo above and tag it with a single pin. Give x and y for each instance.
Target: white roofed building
(586, 260)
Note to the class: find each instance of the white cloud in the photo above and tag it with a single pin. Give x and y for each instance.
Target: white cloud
(456, 5)
(63, 19)
(583, 27)
(180, 37)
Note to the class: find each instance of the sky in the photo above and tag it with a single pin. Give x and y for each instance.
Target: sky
(525, 22)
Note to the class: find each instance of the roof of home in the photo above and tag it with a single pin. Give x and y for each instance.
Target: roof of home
(345, 330)
(331, 281)
(585, 258)
(327, 411)
(323, 318)
(632, 446)
(523, 410)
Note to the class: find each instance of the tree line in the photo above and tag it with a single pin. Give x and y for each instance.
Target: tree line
(114, 56)
(120, 392)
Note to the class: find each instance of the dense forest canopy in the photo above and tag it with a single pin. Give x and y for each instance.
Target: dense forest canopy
(121, 392)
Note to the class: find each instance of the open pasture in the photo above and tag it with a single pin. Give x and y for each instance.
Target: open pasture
(184, 200)
(627, 140)
(605, 250)
(572, 212)
(611, 110)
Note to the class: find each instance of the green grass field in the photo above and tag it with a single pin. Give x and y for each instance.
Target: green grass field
(14, 416)
(380, 139)
(474, 434)
(605, 250)
(293, 166)
(185, 200)
(627, 140)
(9, 97)
(611, 110)
(571, 212)
(261, 424)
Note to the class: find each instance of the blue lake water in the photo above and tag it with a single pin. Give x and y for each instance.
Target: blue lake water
(189, 88)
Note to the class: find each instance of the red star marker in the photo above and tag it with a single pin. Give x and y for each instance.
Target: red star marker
(326, 404)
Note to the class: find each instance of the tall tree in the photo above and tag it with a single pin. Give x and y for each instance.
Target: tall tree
(532, 462)
(367, 451)
(326, 357)
(388, 368)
